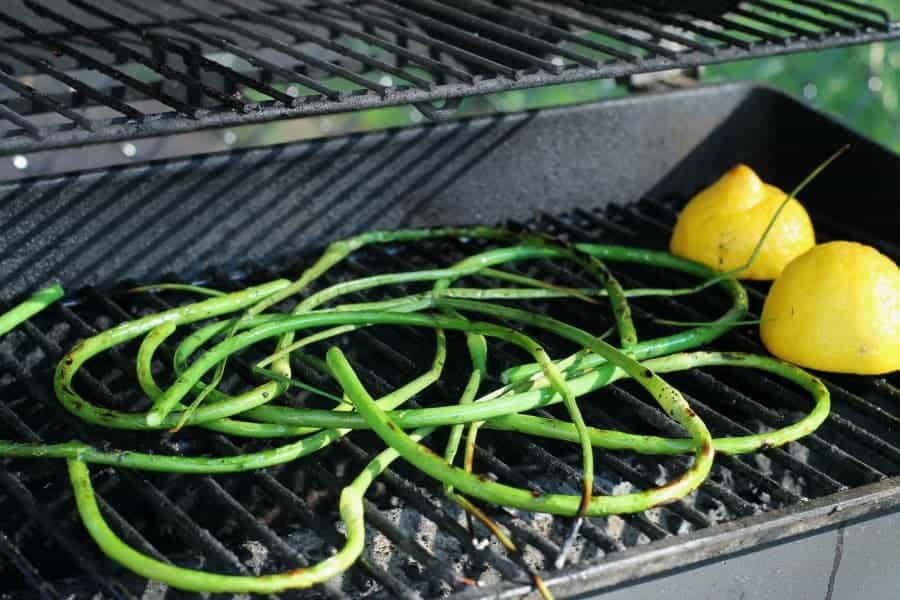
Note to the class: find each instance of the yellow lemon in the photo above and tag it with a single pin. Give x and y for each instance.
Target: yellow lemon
(836, 308)
(722, 224)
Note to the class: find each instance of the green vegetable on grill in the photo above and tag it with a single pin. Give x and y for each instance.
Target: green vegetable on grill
(231, 323)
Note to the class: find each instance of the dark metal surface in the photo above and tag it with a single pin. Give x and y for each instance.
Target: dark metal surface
(221, 218)
(219, 210)
(840, 562)
(80, 71)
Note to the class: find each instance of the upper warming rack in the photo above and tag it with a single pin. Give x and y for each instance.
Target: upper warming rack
(82, 71)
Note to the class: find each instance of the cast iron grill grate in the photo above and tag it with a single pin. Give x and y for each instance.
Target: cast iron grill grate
(84, 71)
(416, 547)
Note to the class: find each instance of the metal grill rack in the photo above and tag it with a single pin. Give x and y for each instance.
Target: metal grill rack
(416, 546)
(83, 71)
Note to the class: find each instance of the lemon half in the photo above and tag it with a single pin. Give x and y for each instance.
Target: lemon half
(722, 224)
(836, 308)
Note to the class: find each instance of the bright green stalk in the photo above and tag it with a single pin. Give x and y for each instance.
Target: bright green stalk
(499, 493)
(351, 510)
(30, 307)
(683, 340)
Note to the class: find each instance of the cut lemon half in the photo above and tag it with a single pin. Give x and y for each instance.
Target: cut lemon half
(722, 225)
(836, 308)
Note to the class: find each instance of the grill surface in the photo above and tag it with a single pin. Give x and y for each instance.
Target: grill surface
(416, 545)
(263, 205)
(93, 70)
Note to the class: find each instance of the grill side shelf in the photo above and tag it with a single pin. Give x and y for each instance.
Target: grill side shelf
(91, 71)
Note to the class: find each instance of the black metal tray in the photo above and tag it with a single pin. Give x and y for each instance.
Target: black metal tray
(230, 212)
(218, 210)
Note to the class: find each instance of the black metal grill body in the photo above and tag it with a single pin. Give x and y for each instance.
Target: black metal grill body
(79, 71)
(237, 218)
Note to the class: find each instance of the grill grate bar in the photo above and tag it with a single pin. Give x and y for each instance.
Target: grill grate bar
(189, 55)
(414, 495)
(597, 26)
(720, 492)
(289, 499)
(844, 14)
(283, 48)
(687, 512)
(803, 16)
(872, 9)
(371, 20)
(774, 21)
(250, 57)
(14, 117)
(858, 403)
(290, 558)
(589, 529)
(188, 530)
(99, 66)
(26, 91)
(697, 27)
(621, 19)
(72, 82)
(331, 45)
(191, 83)
(883, 386)
(75, 550)
(336, 25)
(561, 34)
(27, 501)
(657, 419)
(462, 36)
(729, 23)
(464, 14)
(743, 403)
(12, 553)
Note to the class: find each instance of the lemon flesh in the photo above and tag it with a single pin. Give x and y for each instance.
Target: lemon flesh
(836, 308)
(722, 224)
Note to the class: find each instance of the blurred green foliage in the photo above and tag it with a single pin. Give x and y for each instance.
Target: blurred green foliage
(860, 85)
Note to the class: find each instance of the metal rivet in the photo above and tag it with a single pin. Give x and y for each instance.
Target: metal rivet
(386, 81)
(229, 137)
(129, 149)
(810, 91)
(875, 83)
(20, 162)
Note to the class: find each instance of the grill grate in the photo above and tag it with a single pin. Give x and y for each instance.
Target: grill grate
(94, 70)
(416, 547)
